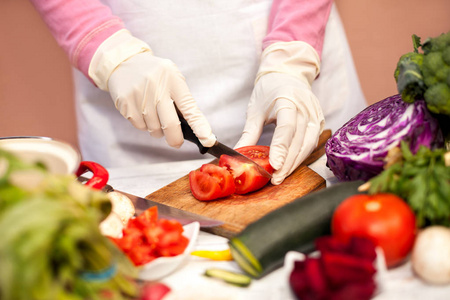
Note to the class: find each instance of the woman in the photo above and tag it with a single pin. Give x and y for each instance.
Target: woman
(246, 63)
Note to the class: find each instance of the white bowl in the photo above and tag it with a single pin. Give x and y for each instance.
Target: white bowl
(163, 266)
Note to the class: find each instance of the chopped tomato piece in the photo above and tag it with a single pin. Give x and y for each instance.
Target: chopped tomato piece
(175, 248)
(211, 182)
(150, 215)
(146, 238)
(172, 230)
(131, 237)
(145, 219)
(142, 255)
(153, 233)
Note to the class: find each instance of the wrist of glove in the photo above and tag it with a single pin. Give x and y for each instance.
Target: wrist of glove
(282, 95)
(147, 90)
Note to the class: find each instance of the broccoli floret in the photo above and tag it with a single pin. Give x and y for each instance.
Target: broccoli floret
(437, 97)
(446, 55)
(426, 75)
(434, 69)
(436, 73)
(436, 44)
(409, 77)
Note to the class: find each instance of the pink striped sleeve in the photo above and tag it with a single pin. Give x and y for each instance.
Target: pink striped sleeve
(298, 20)
(79, 27)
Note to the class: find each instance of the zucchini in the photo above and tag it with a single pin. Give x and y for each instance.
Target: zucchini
(262, 245)
(233, 278)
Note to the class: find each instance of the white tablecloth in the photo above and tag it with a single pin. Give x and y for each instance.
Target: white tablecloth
(188, 282)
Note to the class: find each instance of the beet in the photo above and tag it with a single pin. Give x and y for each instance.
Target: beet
(344, 270)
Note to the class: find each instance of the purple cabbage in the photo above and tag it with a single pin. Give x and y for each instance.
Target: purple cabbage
(357, 149)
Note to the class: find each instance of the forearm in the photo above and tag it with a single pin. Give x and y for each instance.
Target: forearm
(79, 27)
(298, 20)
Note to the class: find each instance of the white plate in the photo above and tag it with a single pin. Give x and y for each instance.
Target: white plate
(59, 157)
(163, 266)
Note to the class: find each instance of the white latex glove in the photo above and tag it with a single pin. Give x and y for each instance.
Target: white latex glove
(282, 95)
(146, 89)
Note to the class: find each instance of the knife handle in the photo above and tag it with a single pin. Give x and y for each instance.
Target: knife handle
(190, 136)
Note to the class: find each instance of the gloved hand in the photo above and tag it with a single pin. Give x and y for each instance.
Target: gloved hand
(282, 95)
(146, 89)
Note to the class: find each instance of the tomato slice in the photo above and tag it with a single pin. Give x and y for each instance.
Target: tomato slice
(246, 177)
(211, 182)
(259, 154)
(222, 175)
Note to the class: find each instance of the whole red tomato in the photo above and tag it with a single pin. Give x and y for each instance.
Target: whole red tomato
(384, 218)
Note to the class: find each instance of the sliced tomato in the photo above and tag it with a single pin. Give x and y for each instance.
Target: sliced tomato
(246, 176)
(211, 182)
(259, 154)
(222, 175)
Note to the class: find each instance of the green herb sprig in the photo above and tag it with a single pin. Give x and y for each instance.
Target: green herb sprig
(422, 180)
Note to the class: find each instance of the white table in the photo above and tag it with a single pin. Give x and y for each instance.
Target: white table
(188, 282)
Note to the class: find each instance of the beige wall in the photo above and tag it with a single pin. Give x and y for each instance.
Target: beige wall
(379, 32)
(35, 77)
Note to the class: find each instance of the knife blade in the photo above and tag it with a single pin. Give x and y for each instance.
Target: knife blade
(164, 211)
(169, 212)
(218, 149)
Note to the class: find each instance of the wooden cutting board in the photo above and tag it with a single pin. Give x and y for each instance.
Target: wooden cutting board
(237, 211)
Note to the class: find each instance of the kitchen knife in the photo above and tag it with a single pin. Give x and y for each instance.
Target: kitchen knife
(164, 211)
(169, 212)
(218, 149)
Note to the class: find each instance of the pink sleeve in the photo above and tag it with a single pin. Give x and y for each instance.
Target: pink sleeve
(298, 20)
(79, 27)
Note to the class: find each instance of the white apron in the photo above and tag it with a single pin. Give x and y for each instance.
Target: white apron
(216, 45)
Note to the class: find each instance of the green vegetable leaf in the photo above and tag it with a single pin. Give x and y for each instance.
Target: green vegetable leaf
(408, 75)
(422, 180)
(416, 43)
(50, 235)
